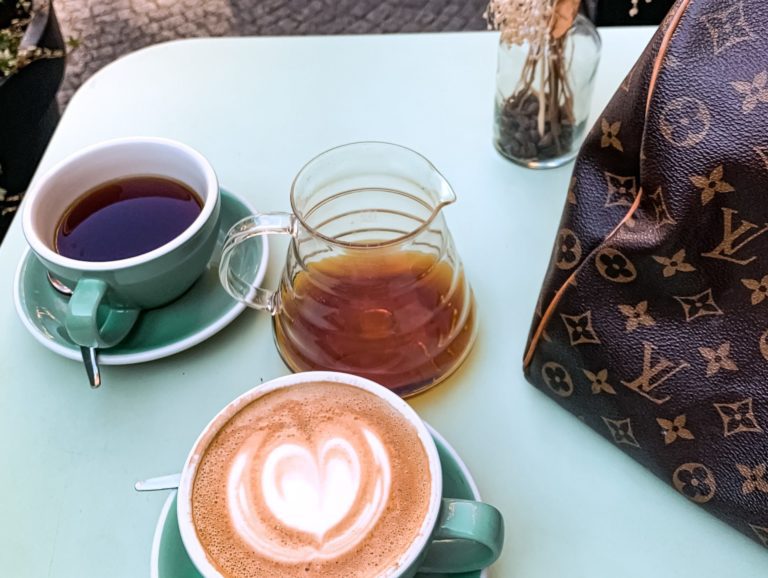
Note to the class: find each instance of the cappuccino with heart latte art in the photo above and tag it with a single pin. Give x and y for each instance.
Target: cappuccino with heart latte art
(317, 479)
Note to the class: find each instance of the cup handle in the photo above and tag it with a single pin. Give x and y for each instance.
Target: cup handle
(232, 276)
(469, 537)
(85, 311)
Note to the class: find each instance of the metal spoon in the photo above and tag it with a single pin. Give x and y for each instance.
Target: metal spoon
(87, 353)
(169, 482)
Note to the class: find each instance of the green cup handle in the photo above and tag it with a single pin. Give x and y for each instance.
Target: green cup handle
(92, 323)
(469, 537)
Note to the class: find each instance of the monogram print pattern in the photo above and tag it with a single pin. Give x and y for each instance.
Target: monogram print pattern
(557, 379)
(763, 344)
(673, 429)
(660, 211)
(695, 481)
(656, 370)
(754, 478)
(699, 305)
(611, 135)
(637, 316)
(655, 303)
(738, 417)
(622, 191)
(718, 359)
(569, 248)
(762, 152)
(752, 92)
(727, 27)
(621, 431)
(685, 121)
(599, 382)
(614, 266)
(711, 184)
(674, 264)
(759, 289)
(737, 234)
(580, 328)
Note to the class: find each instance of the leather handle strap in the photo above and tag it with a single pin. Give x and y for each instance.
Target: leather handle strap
(560, 292)
(547, 315)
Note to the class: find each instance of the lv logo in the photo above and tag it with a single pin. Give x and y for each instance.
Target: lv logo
(654, 375)
(735, 239)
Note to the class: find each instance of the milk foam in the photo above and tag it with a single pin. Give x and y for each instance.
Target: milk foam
(311, 488)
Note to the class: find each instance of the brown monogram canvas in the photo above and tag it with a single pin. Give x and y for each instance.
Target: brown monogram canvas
(652, 323)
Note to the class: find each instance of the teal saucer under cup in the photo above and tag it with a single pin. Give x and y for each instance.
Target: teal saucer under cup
(203, 310)
(109, 295)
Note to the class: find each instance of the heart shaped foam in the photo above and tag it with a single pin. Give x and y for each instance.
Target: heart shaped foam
(332, 490)
(311, 492)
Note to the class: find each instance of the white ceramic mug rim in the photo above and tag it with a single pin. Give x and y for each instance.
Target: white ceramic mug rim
(184, 500)
(41, 248)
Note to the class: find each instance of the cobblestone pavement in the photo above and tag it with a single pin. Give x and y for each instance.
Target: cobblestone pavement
(110, 28)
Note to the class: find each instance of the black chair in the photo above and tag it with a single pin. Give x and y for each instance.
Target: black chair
(626, 12)
(28, 114)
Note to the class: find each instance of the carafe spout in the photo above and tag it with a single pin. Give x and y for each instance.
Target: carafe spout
(445, 196)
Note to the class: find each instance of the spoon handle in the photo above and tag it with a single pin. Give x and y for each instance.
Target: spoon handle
(91, 366)
(169, 482)
(87, 353)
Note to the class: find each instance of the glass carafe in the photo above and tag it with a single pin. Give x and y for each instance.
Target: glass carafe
(372, 283)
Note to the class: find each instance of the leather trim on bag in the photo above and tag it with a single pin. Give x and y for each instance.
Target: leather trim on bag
(663, 46)
(558, 295)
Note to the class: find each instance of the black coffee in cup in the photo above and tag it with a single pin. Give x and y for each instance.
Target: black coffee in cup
(126, 217)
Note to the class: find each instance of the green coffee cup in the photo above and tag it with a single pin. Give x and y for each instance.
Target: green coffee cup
(454, 536)
(108, 296)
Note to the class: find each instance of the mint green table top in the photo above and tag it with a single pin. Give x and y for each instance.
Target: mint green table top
(575, 506)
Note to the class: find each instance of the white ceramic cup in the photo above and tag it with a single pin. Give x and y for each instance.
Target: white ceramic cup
(472, 531)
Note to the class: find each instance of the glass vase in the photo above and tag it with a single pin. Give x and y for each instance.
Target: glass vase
(543, 96)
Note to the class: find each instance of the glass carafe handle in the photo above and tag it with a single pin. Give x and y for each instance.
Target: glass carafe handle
(237, 268)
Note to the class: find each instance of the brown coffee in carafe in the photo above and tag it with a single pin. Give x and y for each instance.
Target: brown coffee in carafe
(403, 318)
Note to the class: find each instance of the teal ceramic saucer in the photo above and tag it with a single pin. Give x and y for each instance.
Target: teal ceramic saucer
(169, 558)
(195, 316)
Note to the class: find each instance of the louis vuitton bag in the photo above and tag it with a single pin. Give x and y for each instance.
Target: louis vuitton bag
(652, 322)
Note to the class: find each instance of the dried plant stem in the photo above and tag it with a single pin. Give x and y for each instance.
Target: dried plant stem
(537, 119)
(554, 93)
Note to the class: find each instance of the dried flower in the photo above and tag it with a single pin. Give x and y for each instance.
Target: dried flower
(521, 21)
(634, 10)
